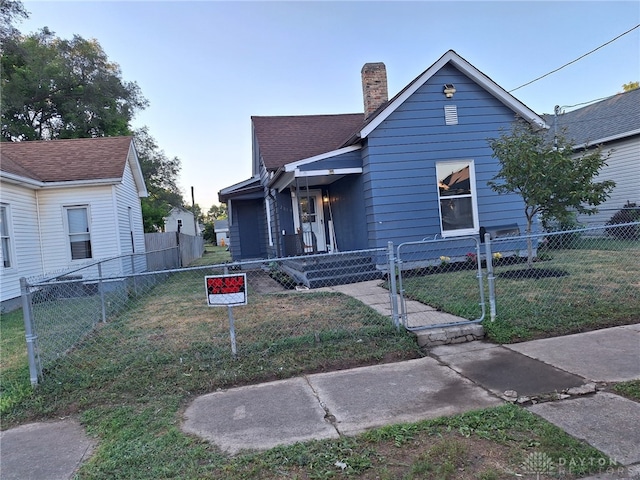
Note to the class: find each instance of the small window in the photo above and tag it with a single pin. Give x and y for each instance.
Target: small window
(133, 243)
(5, 245)
(457, 196)
(179, 225)
(79, 234)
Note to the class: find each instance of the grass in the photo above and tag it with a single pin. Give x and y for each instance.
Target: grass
(600, 290)
(630, 389)
(129, 381)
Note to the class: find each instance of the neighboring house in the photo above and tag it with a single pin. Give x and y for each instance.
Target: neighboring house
(409, 168)
(221, 227)
(613, 124)
(67, 203)
(181, 220)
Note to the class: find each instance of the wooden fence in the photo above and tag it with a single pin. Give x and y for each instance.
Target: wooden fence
(179, 250)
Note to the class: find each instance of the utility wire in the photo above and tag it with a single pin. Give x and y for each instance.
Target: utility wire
(574, 61)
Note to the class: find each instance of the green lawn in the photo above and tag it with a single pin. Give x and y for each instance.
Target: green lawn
(129, 381)
(601, 288)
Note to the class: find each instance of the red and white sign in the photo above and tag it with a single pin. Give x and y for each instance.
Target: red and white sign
(226, 290)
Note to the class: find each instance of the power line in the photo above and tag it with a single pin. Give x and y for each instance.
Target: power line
(574, 61)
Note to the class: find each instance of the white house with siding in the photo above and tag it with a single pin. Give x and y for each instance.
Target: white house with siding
(68, 203)
(613, 124)
(181, 220)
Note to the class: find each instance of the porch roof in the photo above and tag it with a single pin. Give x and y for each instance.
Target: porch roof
(246, 190)
(324, 172)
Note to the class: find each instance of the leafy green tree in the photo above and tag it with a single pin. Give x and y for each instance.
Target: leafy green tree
(627, 87)
(55, 88)
(10, 12)
(161, 175)
(552, 179)
(217, 212)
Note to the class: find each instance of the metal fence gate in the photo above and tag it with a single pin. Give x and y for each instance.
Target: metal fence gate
(426, 272)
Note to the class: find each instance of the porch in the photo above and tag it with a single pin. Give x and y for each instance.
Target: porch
(325, 270)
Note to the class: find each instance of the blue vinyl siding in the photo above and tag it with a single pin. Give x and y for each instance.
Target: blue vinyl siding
(399, 177)
(348, 211)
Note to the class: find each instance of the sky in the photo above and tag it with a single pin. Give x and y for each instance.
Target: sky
(207, 66)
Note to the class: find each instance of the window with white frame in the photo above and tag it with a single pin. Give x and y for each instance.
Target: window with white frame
(457, 197)
(5, 236)
(79, 232)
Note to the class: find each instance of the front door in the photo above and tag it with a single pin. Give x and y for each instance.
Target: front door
(308, 217)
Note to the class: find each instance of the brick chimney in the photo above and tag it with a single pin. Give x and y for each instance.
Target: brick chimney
(374, 87)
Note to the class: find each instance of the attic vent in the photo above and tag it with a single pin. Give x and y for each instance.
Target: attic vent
(450, 114)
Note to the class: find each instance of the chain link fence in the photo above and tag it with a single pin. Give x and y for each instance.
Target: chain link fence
(574, 280)
(289, 316)
(294, 317)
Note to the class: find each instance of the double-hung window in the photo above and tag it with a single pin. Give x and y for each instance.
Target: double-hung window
(79, 232)
(5, 236)
(457, 198)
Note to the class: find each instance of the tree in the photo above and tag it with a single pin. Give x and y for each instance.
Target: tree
(217, 212)
(54, 88)
(161, 174)
(548, 174)
(10, 11)
(627, 87)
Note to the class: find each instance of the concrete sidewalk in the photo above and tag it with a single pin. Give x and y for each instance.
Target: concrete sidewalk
(451, 380)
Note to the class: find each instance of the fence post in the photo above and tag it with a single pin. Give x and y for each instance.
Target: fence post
(232, 328)
(27, 313)
(392, 286)
(101, 290)
(490, 276)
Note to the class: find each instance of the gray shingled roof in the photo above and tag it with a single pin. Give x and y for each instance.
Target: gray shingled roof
(611, 117)
(286, 139)
(66, 160)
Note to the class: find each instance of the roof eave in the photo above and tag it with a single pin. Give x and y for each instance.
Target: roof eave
(452, 57)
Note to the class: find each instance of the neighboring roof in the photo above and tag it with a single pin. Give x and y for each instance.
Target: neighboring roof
(220, 225)
(613, 118)
(83, 159)
(469, 70)
(286, 139)
(178, 210)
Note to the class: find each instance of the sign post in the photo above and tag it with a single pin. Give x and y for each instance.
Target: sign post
(227, 290)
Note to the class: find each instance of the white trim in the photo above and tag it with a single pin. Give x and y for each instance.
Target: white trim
(289, 167)
(474, 201)
(268, 208)
(65, 220)
(17, 179)
(244, 183)
(10, 255)
(480, 78)
(136, 170)
(618, 136)
(326, 173)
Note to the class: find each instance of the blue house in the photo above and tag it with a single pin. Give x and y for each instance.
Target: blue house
(412, 167)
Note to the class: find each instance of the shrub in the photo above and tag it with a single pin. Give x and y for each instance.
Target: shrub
(628, 214)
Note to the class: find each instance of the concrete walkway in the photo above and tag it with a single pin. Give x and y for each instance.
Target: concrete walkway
(557, 378)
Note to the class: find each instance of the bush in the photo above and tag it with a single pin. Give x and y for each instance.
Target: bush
(628, 214)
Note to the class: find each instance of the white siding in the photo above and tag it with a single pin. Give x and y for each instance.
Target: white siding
(24, 239)
(126, 197)
(188, 225)
(103, 224)
(623, 167)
